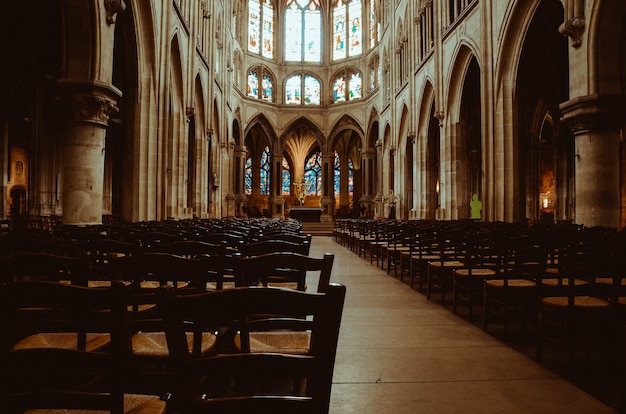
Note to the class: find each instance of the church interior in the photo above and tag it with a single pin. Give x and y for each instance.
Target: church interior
(360, 117)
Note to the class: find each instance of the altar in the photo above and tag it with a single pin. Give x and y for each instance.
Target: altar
(305, 213)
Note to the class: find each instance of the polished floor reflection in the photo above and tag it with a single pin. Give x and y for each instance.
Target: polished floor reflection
(400, 353)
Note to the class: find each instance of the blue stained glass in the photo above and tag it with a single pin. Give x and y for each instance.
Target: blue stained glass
(286, 177)
(265, 172)
(267, 88)
(313, 175)
(247, 176)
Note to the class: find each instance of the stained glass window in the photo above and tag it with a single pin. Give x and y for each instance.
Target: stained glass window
(261, 27)
(347, 29)
(293, 91)
(303, 24)
(286, 177)
(265, 171)
(294, 87)
(347, 86)
(265, 92)
(247, 176)
(337, 175)
(313, 175)
(374, 26)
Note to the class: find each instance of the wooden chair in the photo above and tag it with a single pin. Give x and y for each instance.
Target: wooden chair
(227, 383)
(145, 274)
(284, 268)
(68, 376)
(574, 309)
(513, 295)
(216, 258)
(480, 264)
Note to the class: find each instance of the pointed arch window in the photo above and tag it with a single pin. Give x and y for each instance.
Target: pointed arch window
(374, 24)
(247, 177)
(347, 29)
(286, 177)
(295, 86)
(347, 86)
(337, 175)
(265, 171)
(303, 31)
(313, 175)
(260, 84)
(261, 27)
(375, 72)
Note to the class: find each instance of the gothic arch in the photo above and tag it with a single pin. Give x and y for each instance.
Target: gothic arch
(607, 60)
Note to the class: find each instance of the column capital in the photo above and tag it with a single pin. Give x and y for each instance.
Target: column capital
(89, 101)
(594, 112)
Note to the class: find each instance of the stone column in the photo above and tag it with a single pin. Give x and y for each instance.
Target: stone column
(89, 105)
(595, 121)
(240, 163)
(328, 188)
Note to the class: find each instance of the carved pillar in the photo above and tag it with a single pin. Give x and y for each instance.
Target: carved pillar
(328, 187)
(344, 181)
(89, 105)
(240, 196)
(595, 122)
(277, 202)
(368, 170)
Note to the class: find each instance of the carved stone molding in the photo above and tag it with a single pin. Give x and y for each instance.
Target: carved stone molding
(113, 7)
(573, 28)
(90, 101)
(594, 113)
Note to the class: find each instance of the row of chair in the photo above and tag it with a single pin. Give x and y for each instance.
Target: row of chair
(197, 374)
(154, 284)
(563, 281)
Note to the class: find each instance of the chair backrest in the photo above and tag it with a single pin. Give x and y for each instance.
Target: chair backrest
(160, 269)
(237, 309)
(272, 245)
(282, 267)
(43, 266)
(31, 307)
(48, 377)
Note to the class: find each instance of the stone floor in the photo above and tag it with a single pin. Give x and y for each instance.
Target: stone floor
(400, 353)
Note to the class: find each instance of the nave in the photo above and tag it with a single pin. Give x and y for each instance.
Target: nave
(400, 353)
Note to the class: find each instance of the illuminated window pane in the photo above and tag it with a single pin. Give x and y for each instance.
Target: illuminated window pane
(261, 27)
(313, 175)
(355, 86)
(267, 88)
(293, 33)
(355, 28)
(253, 84)
(339, 89)
(303, 23)
(254, 26)
(268, 29)
(311, 90)
(265, 172)
(247, 176)
(292, 90)
(374, 26)
(336, 177)
(286, 177)
(339, 32)
(313, 34)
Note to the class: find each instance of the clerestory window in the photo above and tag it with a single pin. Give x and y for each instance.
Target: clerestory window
(347, 29)
(261, 27)
(303, 31)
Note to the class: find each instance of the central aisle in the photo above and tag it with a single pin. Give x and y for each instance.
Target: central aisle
(401, 354)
